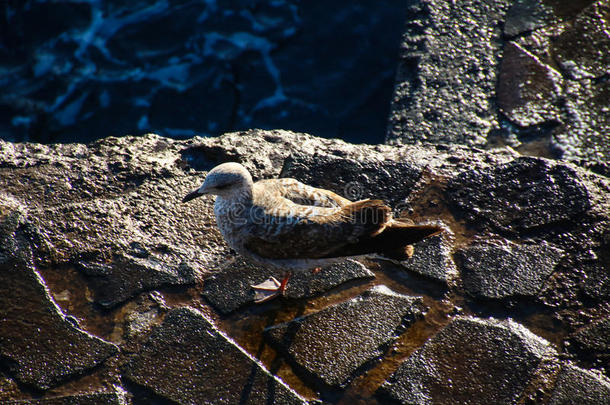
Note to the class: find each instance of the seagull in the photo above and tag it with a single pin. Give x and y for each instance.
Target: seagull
(285, 224)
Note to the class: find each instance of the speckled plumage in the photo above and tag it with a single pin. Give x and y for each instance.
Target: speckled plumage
(287, 224)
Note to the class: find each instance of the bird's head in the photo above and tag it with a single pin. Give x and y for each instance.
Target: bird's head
(224, 180)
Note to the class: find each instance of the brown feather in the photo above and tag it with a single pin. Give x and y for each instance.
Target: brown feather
(392, 242)
(358, 228)
(319, 236)
(371, 215)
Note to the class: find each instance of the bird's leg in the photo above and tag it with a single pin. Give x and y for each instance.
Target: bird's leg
(270, 289)
(284, 283)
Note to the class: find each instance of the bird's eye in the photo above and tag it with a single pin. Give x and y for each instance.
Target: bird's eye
(222, 186)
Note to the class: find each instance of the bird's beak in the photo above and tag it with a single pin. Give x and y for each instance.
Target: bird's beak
(192, 195)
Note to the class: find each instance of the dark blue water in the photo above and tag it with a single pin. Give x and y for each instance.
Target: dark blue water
(75, 71)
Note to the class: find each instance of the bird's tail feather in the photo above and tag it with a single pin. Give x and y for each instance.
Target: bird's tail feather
(384, 236)
(394, 241)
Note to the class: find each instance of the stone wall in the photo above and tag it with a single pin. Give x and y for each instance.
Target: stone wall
(531, 74)
(114, 291)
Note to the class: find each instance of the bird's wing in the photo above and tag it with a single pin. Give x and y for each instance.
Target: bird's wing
(292, 231)
(303, 194)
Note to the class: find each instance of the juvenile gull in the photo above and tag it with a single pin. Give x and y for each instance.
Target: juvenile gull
(289, 225)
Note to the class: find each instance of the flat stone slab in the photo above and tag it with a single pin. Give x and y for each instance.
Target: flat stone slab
(41, 347)
(336, 343)
(577, 386)
(583, 49)
(573, 43)
(441, 97)
(118, 397)
(116, 282)
(112, 209)
(500, 271)
(528, 90)
(520, 195)
(592, 344)
(471, 360)
(188, 360)
(597, 283)
(231, 288)
(595, 336)
(432, 258)
(527, 15)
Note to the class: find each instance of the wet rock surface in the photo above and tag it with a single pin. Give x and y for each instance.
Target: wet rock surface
(231, 287)
(432, 258)
(334, 343)
(519, 196)
(540, 84)
(527, 15)
(90, 210)
(583, 49)
(583, 140)
(575, 385)
(40, 345)
(94, 238)
(447, 71)
(188, 360)
(595, 336)
(113, 286)
(100, 398)
(492, 271)
(528, 90)
(592, 343)
(490, 362)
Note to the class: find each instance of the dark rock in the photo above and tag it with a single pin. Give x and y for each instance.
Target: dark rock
(432, 258)
(230, 288)
(306, 284)
(594, 337)
(87, 204)
(583, 49)
(578, 112)
(447, 72)
(113, 208)
(357, 178)
(596, 269)
(524, 194)
(187, 360)
(469, 361)
(548, 97)
(40, 345)
(113, 285)
(147, 313)
(596, 283)
(528, 90)
(577, 386)
(9, 389)
(539, 43)
(500, 271)
(335, 344)
(582, 276)
(584, 138)
(118, 397)
(527, 15)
